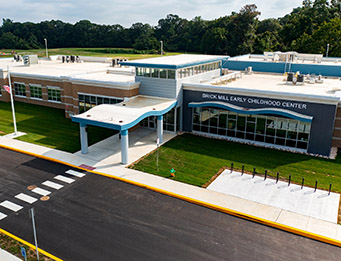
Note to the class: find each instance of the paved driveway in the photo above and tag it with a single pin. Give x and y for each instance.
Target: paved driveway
(97, 218)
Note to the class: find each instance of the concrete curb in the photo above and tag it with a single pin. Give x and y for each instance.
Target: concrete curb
(30, 245)
(198, 202)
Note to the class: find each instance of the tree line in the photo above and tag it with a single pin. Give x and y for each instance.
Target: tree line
(307, 29)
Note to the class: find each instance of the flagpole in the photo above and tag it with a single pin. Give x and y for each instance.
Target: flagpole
(12, 102)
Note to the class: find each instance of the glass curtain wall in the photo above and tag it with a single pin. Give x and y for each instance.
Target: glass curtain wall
(168, 121)
(86, 102)
(267, 129)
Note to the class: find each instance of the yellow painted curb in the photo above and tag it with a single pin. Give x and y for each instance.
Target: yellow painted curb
(198, 202)
(30, 245)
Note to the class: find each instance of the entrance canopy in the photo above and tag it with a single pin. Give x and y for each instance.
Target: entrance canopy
(122, 117)
(126, 114)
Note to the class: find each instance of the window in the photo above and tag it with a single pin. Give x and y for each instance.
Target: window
(19, 89)
(171, 74)
(53, 94)
(36, 91)
(87, 101)
(155, 73)
(163, 73)
(267, 129)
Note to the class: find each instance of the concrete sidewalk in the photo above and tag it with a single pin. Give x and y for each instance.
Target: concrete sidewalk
(5, 256)
(143, 143)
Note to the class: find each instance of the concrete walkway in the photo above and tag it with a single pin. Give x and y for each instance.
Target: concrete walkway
(5, 256)
(144, 143)
(317, 204)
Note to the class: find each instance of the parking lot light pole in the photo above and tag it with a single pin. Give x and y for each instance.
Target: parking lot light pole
(31, 212)
(47, 54)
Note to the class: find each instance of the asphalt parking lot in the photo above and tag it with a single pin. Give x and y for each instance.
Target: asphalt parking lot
(92, 217)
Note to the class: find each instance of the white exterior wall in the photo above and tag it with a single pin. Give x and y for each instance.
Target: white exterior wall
(159, 87)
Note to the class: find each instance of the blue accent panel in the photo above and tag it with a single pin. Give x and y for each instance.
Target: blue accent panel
(160, 118)
(250, 112)
(170, 66)
(122, 127)
(256, 66)
(124, 132)
(325, 70)
(95, 123)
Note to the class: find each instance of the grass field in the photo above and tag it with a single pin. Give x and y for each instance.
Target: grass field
(99, 52)
(47, 126)
(196, 159)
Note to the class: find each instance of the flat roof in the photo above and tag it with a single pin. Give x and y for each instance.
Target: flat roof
(88, 71)
(175, 61)
(271, 85)
(278, 83)
(336, 61)
(124, 115)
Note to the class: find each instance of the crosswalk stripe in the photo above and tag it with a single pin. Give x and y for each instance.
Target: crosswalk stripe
(10, 205)
(52, 184)
(2, 215)
(41, 191)
(26, 198)
(64, 179)
(75, 173)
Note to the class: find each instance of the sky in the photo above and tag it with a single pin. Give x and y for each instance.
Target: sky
(128, 12)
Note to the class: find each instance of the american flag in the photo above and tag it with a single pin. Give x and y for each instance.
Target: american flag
(7, 88)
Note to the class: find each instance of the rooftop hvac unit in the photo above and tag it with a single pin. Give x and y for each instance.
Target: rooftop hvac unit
(30, 59)
(290, 77)
(319, 79)
(248, 70)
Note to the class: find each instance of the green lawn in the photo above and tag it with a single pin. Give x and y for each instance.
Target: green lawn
(47, 126)
(197, 159)
(99, 52)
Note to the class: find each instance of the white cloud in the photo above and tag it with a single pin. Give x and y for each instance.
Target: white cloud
(131, 11)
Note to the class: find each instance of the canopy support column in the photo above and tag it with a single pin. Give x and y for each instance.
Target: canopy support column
(84, 138)
(124, 146)
(160, 128)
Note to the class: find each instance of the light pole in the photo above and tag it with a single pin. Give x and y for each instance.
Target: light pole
(327, 50)
(161, 47)
(47, 54)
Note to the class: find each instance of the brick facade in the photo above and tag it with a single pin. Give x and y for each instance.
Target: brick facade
(337, 129)
(68, 91)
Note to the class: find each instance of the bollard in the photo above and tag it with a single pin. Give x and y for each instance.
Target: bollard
(315, 185)
(266, 173)
(289, 180)
(277, 177)
(242, 169)
(254, 172)
(231, 167)
(330, 188)
(302, 183)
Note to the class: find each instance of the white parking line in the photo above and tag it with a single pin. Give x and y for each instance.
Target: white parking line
(26, 198)
(2, 215)
(10, 205)
(52, 184)
(75, 173)
(64, 179)
(41, 191)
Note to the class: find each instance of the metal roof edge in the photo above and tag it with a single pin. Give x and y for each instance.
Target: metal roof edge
(265, 94)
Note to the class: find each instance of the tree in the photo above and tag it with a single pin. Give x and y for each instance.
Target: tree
(10, 41)
(327, 33)
(214, 41)
(242, 30)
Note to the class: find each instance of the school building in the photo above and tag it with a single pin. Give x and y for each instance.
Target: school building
(287, 100)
